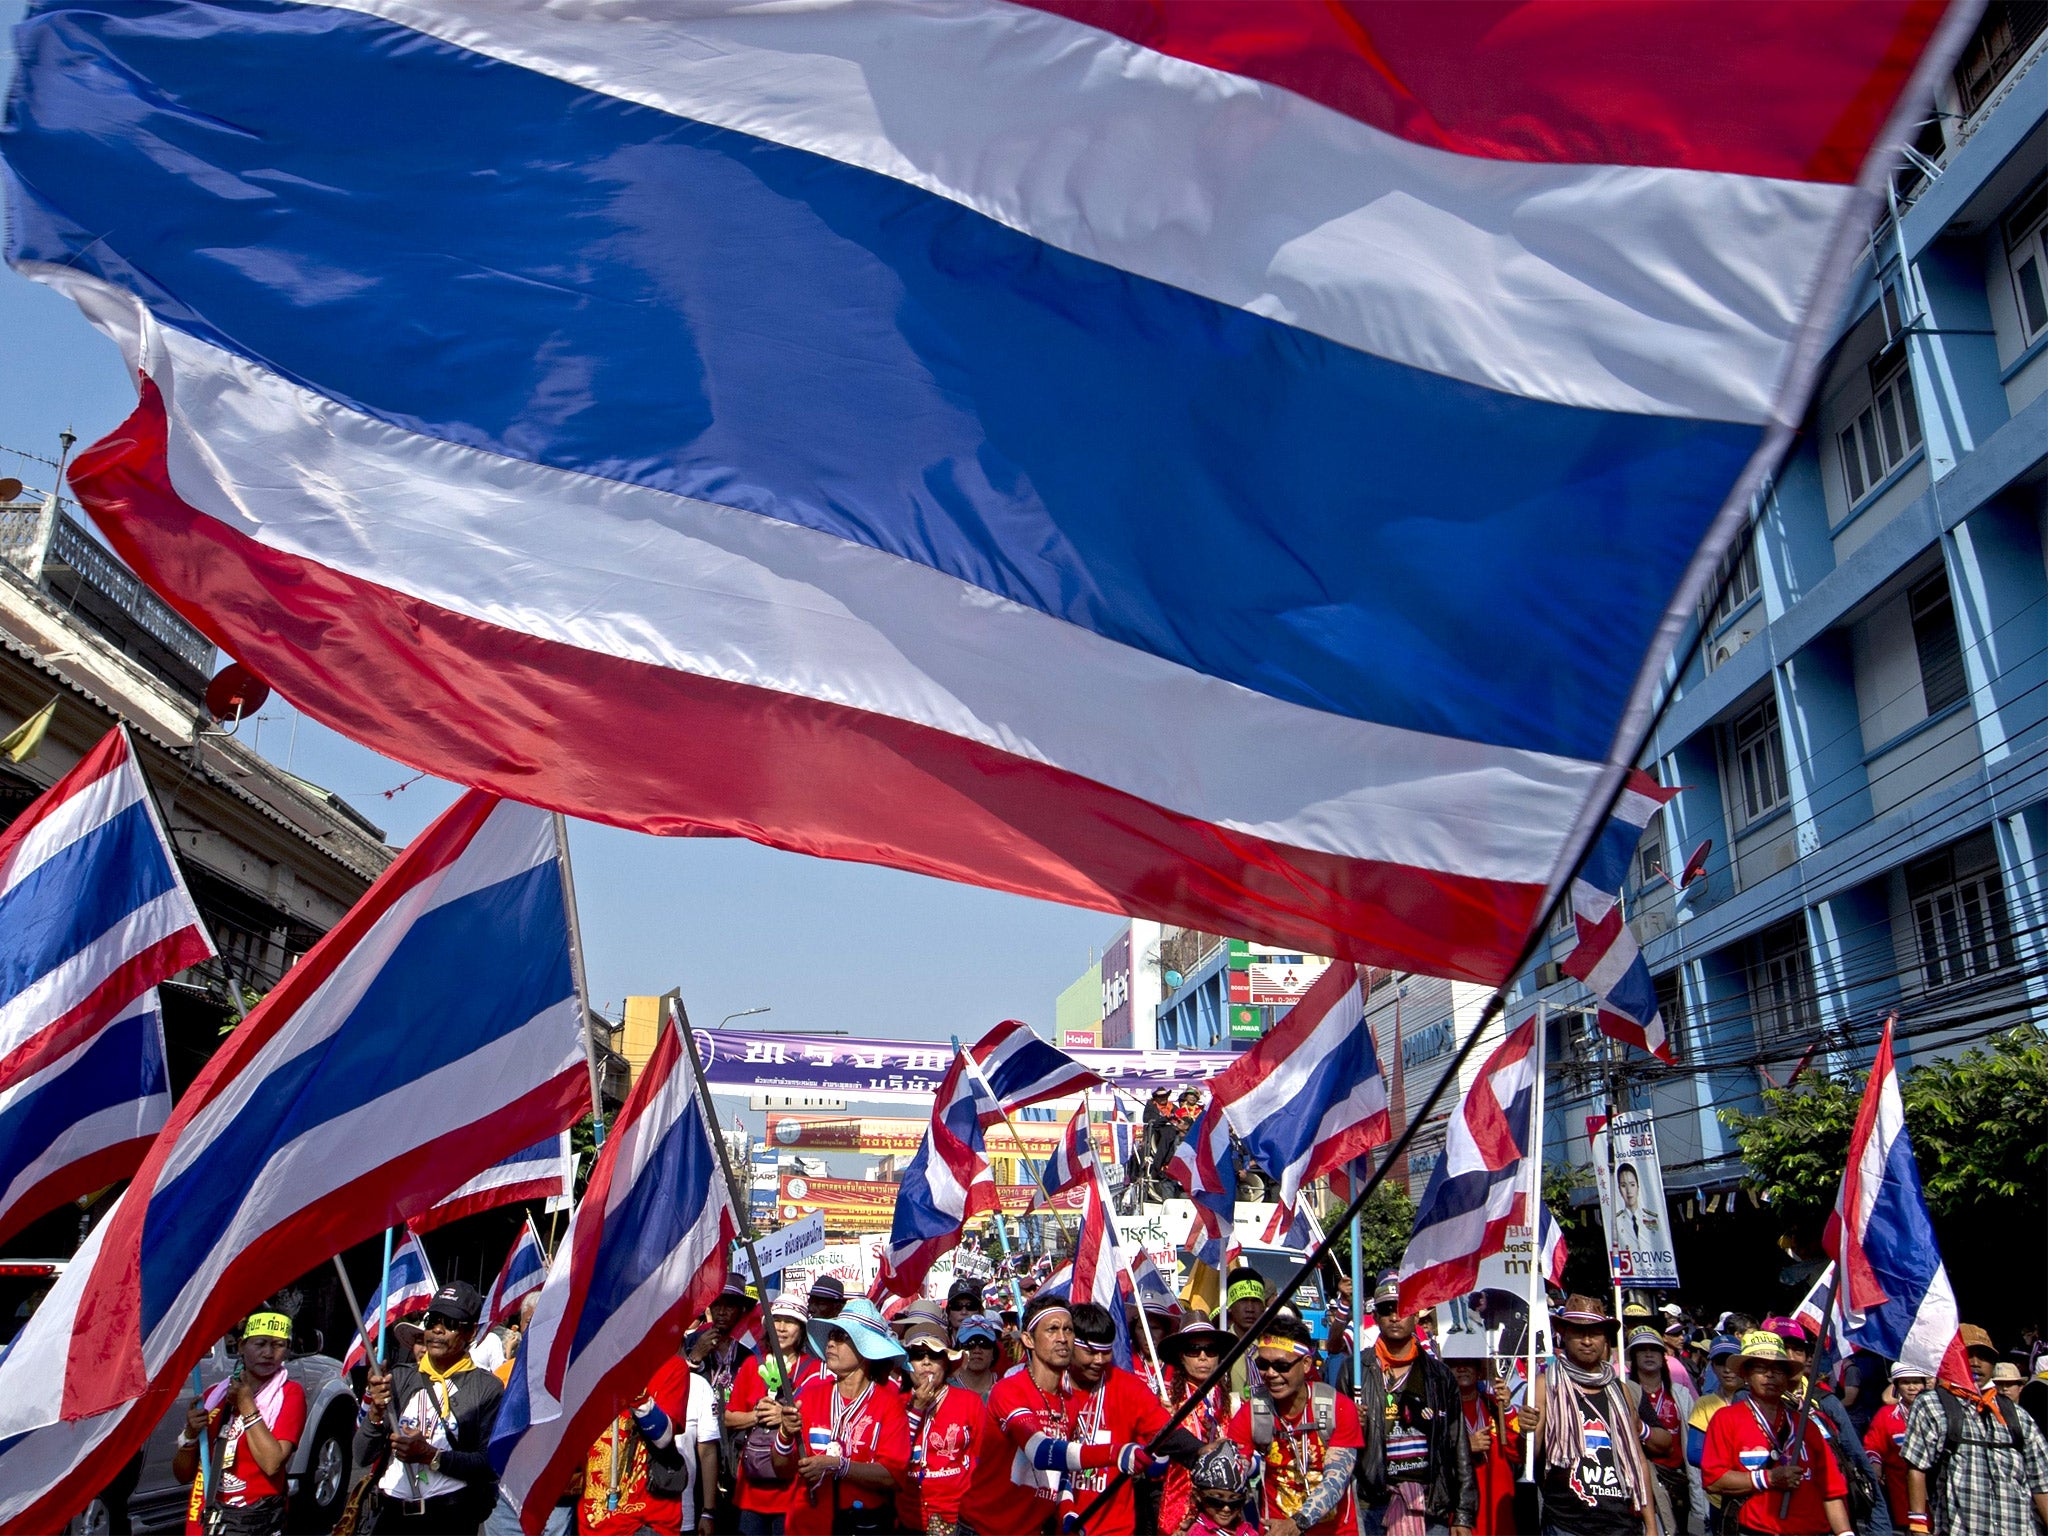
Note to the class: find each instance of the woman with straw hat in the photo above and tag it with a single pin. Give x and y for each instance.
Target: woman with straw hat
(1761, 1448)
(1665, 1404)
(851, 1450)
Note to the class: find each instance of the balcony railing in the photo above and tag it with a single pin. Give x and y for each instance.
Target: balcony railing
(75, 550)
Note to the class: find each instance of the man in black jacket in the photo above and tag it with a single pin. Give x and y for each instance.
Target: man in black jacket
(433, 1419)
(1415, 1447)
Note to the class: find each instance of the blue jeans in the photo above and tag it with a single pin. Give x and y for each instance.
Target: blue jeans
(754, 1523)
(504, 1520)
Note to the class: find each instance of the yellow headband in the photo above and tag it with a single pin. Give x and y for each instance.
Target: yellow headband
(1245, 1290)
(1284, 1345)
(267, 1325)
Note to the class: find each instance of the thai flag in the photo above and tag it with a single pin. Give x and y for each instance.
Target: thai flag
(1206, 1168)
(1022, 1069)
(538, 1172)
(1293, 1227)
(1606, 957)
(1071, 1165)
(1096, 1275)
(1551, 1251)
(1309, 1096)
(1479, 1187)
(408, 1288)
(434, 1030)
(524, 1272)
(819, 380)
(1123, 1143)
(644, 1254)
(1894, 1294)
(84, 1120)
(948, 1184)
(93, 911)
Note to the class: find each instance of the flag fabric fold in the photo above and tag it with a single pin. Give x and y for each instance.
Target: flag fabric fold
(93, 909)
(538, 1172)
(1309, 1096)
(1479, 1186)
(434, 1030)
(1096, 1275)
(408, 1286)
(1205, 1167)
(1606, 957)
(1893, 1290)
(644, 1254)
(893, 527)
(948, 1183)
(1021, 1069)
(1072, 1164)
(524, 1271)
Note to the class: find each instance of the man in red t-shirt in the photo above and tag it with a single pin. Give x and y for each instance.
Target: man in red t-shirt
(851, 1451)
(1315, 1436)
(1116, 1409)
(252, 1421)
(1036, 1409)
(1755, 1447)
(1886, 1439)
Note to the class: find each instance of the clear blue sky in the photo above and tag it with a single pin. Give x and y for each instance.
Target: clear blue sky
(826, 945)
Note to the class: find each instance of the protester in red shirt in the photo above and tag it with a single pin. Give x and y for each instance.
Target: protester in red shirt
(1756, 1447)
(1036, 1410)
(959, 1462)
(653, 1471)
(762, 1505)
(1308, 1470)
(1492, 1432)
(1114, 1409)
(1886, 1439)
(252, 1420)
(851, 1451)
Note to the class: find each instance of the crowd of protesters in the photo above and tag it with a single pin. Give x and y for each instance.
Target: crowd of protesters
(822, 1415)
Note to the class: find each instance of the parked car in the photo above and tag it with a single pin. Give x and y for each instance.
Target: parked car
(146, 1498)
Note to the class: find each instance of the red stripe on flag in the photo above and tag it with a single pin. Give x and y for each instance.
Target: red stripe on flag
(1794, 91)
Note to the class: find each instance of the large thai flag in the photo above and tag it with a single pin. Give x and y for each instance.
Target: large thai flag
(948, 1184)
(84, 1120)
(407, 1287)
(644, 1254)
(525, 1271)
(1894, 1296)
(93, 911)
(1096, 1275)
(899, 396)
(1206, 1169)
(1309, 1096)
(1479, 1187)
(1606, 957)
(1072, 1163)
(433, 1031)
(1021, 1069)
(538, 1172)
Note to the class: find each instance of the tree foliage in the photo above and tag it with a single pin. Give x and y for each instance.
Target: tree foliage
(1384, 1226)
(1979, 1124)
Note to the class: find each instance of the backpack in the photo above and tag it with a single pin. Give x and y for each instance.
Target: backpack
(1863, 1490)
(1952, 1413)
(1322, 1403)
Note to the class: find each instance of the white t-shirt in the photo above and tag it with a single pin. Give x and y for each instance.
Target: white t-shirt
(699, 1427)
(424, 1412)
(488, 1352)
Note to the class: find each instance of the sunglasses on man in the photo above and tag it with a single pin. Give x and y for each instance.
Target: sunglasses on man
(1269, 1365)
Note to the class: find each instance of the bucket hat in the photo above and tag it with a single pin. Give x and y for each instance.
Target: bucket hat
(1763, 1347)
(863, 1324)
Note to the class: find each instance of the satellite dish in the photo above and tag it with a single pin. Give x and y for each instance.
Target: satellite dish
(9, 488)
(1696, 865)
(235, 692)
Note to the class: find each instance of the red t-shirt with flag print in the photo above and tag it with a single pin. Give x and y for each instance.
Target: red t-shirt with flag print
(1740, 1439)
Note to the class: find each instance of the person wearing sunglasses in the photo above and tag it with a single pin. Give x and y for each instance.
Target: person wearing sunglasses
(1222, 1488)
(1191, 1354)
(1415, 1471)
(1301, 1433)
(978, 1340)
(439, 1478)
(851, 1448)
(958, 1461)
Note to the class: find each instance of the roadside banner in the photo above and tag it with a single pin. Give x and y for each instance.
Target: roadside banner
(1639, 1251)
(783, 1247)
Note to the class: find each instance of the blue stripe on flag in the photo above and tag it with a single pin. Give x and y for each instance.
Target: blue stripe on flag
(1900, 1244)
(579, 281)
(1607, 862)
(419, 1013)
(123, 1064)
(1634, 994)
(650, 1224)
(76, 895)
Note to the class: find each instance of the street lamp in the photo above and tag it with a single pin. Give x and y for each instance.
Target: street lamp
(744, 1013)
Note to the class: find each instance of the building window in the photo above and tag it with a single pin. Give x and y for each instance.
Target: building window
(2001, 38)
(1934, 636)
(1959, 913)
(2026, 251)
(1671, 1007)
(1759, 762)
(1650, 855)
(1887, 433)
(1735, 582)
(1781, 983)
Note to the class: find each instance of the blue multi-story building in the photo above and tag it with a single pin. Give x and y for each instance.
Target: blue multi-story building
(1862, 730)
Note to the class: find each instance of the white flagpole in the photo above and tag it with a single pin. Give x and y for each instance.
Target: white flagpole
(1023, 1163)
(582, 985)
(1535, 1229)
(1124, 1263)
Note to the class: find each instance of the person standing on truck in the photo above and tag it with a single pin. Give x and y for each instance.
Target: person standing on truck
(251, 1422)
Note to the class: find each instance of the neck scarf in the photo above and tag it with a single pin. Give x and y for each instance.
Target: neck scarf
(462, 1363)
(1393, 1360)
(268, 1401)
(1564, 1424)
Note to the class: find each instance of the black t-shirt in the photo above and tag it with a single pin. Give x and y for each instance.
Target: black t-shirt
(1408, 1423)
(1587, 1497)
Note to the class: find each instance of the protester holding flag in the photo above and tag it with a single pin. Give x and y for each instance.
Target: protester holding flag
(1036, 1412)
(851, 1445)
(1303, 1435)
(764, 1396)
(1763, 1449)
(1808, 1393)
(251, 1422)
(654, 1469)
(1589, 1454)
(1415, 1466)
(1113, 1407)
(1493, 1438)
(1976, 1464)
(439, 1478)
(1191, 1354)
